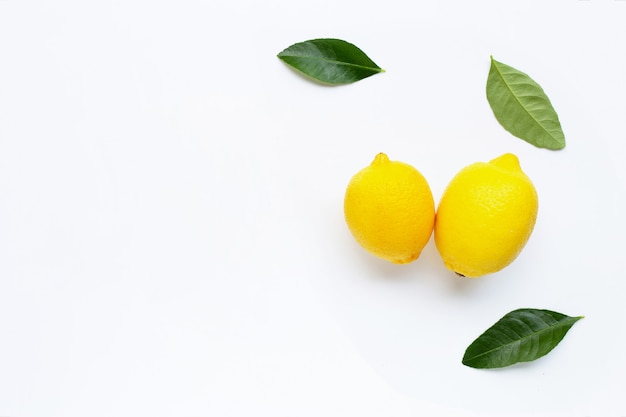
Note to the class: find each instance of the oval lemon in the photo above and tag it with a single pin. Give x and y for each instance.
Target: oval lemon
(389, 209)
(485, 217)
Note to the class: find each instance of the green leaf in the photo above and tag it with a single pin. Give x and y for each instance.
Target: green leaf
(522, 107)
(330, 61)
(520, 336)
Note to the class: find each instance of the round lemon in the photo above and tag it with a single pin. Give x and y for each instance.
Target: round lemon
(390, 210)
(485, 217)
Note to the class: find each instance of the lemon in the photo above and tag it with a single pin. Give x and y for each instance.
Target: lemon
(485, 217)
(390, 210)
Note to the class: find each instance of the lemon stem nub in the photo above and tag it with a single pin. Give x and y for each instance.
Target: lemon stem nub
(380, 158)
(507, 161)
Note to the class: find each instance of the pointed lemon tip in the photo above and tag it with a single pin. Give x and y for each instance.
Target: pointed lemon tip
(381, 158)
(507, 161)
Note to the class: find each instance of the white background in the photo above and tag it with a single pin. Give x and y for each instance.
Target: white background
(172, 240)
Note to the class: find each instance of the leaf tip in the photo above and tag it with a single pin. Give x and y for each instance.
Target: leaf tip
(465, 362)
(554, 147)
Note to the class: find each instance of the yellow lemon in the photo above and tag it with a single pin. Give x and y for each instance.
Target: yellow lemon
(485, 217)
(390, 210)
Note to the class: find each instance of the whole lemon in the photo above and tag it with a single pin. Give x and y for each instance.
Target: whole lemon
(485, 217)
(390, 210)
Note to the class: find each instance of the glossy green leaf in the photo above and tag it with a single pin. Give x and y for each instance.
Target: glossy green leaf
(520, 336)
(331, 61)
(522, 107)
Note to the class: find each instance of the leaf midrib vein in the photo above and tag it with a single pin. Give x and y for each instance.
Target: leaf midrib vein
(520, 340)
(333, 61)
